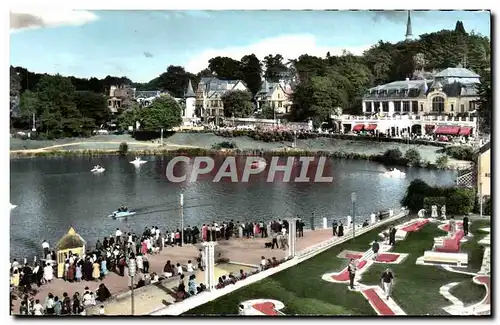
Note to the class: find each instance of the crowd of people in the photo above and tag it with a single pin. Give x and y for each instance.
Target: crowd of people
(112, 254)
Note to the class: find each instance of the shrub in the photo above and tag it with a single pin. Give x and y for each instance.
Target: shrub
(460, 152)
(123, 149)
(393, 154)
(224, 145)
(442, 162)
(458, 200)
(413, 157)
(487, 206)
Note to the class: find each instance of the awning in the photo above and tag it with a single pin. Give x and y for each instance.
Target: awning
(447, 130)
(358, 127)
(465, 131)
(371, 127)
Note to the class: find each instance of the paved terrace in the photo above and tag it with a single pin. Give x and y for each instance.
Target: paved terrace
(237, 250)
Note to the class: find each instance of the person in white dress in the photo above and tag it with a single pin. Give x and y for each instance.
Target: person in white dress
(190, 267)
(38, 308)
(48, 273)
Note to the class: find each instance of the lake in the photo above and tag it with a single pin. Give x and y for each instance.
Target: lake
(56, 193)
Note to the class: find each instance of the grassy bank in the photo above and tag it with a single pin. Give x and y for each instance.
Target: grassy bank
(281, 136)
(222, 151)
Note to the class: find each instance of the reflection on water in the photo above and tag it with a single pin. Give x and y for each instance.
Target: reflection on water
(54, 194)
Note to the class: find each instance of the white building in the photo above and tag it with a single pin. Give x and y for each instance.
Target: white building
(447, 99)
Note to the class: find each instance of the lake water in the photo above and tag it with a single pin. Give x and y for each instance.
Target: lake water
(54, 194)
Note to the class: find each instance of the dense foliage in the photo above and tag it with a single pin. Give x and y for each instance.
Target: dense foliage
(322, 84)
(458, 200)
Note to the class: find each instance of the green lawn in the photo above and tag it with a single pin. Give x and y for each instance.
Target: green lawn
(469, 292)
(303, 291)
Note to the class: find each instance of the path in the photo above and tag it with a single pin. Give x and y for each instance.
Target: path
(246, 251)
(166, 145)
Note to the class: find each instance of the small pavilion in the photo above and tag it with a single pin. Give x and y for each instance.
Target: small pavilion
(71, 242)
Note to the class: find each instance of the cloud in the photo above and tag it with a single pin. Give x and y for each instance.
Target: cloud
(290, 46)
(39, 18)
(395, 16)
(148, 55)
(179, 14)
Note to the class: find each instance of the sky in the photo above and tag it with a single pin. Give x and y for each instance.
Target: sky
(142, 44)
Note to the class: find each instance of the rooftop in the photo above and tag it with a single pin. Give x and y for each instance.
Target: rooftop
(457, 73)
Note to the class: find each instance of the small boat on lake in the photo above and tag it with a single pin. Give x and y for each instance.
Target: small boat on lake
(138, 161)
(395, 173)
(97, 169)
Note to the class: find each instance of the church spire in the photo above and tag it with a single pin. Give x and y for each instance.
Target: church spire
(189, 91)
(409, 34)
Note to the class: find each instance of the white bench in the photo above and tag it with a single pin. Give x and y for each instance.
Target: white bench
(456, 259)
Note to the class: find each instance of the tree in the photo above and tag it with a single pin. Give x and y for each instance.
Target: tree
(251, 72)
(225, 68)
(315, 99)
(93, 106)
(413, 157)
(129, 117)
(459, 27)
(267, 112)
(275, 68)
(15, 92)
(164, 112)
(485, 103)
(28, 103)
(237, 103)
(442, 162)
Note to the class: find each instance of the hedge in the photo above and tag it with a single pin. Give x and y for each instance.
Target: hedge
(458, 200)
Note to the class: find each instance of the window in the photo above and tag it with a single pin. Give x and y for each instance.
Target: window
(385, 106)
(472, 106)
(438, 104)
(451, 107)
(280, 104)
(462, 108)
(377, 106)
(414, 106)
(421, 107)
(397, 106)
(406, 106)
(279, 95)
(487, 175)
(405, 92)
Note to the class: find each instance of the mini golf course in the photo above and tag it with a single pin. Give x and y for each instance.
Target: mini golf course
(318, 286)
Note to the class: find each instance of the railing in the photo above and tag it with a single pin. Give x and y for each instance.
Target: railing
(408, 117)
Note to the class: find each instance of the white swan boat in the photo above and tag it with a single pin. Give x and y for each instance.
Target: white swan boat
(13, 206)
(138, 161)
(395, 173)
(121, 214)
(97, 169)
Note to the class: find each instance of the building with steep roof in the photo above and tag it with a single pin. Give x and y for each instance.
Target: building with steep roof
(189, 111)
(209, 96)
(276, 95)
(409, 32)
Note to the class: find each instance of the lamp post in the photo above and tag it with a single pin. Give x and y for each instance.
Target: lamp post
(353, 201)
(161, 137)
(182, 219)
(132, 266)
(480, 200)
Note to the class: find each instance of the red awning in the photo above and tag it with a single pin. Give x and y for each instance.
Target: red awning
(371, 127)
(358, 127)
(447, 130)
(465, 131)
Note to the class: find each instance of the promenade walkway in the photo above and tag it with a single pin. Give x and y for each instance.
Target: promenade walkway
(238, 250)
